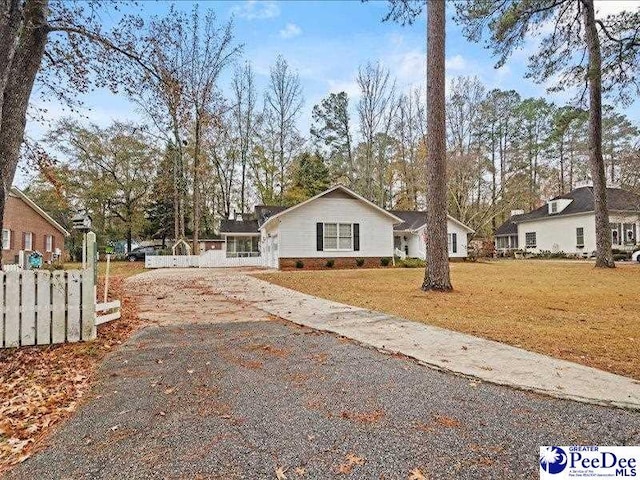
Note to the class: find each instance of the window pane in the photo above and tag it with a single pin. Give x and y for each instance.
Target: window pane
(345, 230)
(5, 239)
(345, 243)
(330, 230)
(330, 242)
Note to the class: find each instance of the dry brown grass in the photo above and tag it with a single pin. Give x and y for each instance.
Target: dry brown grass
(119, 268)
(569, 310)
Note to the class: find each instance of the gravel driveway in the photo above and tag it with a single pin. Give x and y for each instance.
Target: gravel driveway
(253, 397)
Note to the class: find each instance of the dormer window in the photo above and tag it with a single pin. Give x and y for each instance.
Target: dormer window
(554, 207)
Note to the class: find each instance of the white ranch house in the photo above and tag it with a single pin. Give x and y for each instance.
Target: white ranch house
(567, 224)
(337, 224)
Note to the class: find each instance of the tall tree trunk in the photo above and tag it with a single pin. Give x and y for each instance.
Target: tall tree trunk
(562, 166)
(604, 257)
(494, 180)
(22, 70)
(196, 183)
(436, 276)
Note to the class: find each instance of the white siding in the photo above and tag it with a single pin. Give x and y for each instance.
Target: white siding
(558, 234)
(417, 247)
(296, 230)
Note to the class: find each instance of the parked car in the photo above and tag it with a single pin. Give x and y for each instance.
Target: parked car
(141, 252)
(635, 256)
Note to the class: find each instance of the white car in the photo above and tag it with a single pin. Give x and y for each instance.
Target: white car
(635, 256)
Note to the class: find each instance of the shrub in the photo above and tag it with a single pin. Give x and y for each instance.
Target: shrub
(411, 263)
(359, 262)
(385, 261)
(621, 256)
(330, 263)
(299, 264)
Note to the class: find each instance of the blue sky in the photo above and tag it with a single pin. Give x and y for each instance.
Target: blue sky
(326, 41)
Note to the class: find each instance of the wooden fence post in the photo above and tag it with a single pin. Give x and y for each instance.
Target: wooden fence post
(89, 290)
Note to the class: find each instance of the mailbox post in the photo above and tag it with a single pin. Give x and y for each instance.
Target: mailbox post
(82, 222)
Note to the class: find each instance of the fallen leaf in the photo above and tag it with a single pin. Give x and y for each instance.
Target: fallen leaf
(169, 391)
(300, 471)
(190, 371)
(416, 474)
(280, 473)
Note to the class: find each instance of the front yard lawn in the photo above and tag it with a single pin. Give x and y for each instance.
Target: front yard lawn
(568, 310)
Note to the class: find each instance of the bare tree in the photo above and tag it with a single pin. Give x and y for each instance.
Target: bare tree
(376, 109)
(244, 115)
(282, 104)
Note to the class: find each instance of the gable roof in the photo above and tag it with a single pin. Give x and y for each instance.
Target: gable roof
(18, 193)
(582, 202)
(264, 212)
(329, 190)
(414, 220)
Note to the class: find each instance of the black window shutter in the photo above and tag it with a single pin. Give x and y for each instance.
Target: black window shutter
(454, 242)
(356, 237)
(319, 237)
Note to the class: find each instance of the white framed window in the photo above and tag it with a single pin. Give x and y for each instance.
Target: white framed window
(452, 239)
(554, 207)
(48, 243)
(580, 237)
(28, 241)
(530, 239)
(6, 239)
(615, 234)
(338, 236)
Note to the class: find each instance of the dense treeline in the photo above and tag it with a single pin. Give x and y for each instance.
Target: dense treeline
(210, 147)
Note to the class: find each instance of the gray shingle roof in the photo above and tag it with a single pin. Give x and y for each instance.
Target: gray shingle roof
(509, 227)
(411, 219)
(238, 226)
(617, 200)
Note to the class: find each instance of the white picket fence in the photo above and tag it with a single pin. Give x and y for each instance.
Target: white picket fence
(42, 307)
(208, 259)
(218, 258)
(171, 261)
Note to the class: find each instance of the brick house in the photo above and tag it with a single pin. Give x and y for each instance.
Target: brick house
(27, 227)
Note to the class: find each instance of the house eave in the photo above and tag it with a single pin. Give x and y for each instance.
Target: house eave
(39, 210)
(329, 190)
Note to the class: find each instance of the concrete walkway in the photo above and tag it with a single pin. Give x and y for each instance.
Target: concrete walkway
(447, 350)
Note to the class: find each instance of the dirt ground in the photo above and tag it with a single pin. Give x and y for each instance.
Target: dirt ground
(166, 297)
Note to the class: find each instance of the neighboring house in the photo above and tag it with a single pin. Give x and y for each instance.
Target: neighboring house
(506, 236)
(29, 228)
(409, 236)
(567, 223)
(337, 224)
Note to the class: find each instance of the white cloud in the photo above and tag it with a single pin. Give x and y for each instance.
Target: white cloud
(257, 10)
(456, 63)
(350, 87)
(409, 67)
(290, 30)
